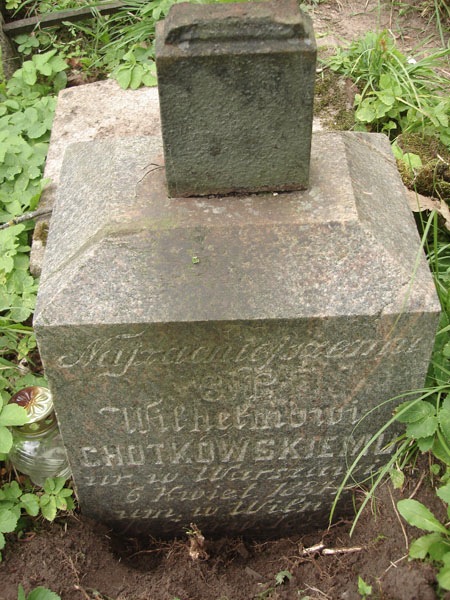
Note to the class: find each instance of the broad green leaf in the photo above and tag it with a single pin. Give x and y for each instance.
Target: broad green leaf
(2, 541)
(5, 440)
(35, 131)
(425, 443)
(53, 485)
(21, 593)
(29, 73)
(123, 76)
(12, 415)
(440, 451)
(149, 79)
(364, 589)
(444, 492)
(11, 491)
(41, 593)
(365, 114)
(58, 64)
(444, 418)
(422, 429)
(136, 76)
(8, 521)
(30, 503)
(439, 549)
(413, 161)
(443, 577)
(418, 515)
(397, 478)
(419, 548)
(416, 410)
(48, 507)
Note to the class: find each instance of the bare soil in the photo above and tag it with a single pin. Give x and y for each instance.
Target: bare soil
(82, 560)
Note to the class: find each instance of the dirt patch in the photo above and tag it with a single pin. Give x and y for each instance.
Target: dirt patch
(81, 560)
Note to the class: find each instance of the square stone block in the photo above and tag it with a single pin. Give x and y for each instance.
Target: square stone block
(211, 359)
(236, 88)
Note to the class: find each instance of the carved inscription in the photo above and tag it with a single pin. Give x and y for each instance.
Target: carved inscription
(115, 355)
(248, 437)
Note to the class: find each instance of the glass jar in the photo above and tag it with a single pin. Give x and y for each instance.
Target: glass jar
(37, 449)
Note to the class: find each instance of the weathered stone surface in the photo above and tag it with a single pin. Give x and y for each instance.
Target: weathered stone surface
(236, 86)
(210, 358)
(99, 110)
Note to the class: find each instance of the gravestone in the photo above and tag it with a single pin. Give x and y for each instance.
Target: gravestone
(236, 87)
(211, 358)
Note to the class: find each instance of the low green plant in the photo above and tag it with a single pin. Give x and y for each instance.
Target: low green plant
(435, 545)
(39, 593)
(397, 93)
(26, 114)
(136, 69)
(10, 415)
(16, 502)
(281, 578)
(364, 589)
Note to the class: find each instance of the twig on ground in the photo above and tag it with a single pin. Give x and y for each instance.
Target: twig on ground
(394, 564)
(40, 212)
(314, 589)
(399, 520)
(419, 483)
(320, 549)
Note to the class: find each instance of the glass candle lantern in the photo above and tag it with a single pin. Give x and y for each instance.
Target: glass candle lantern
(37, 448)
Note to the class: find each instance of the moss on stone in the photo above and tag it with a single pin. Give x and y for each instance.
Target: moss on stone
(433, 178)
(334, 100)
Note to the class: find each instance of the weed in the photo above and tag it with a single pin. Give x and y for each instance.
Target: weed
(39, 593)
(10, 415)
(281, 578)
(16, 502)
(364, 589)
(397, 93)
(434, 545)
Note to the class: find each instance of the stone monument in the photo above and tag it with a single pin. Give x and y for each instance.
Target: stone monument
(211, 357)
(236, 87)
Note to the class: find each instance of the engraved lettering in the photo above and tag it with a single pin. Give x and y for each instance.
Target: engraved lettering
(264, 450)
(232, 451)
(179, 453)
(87, 460)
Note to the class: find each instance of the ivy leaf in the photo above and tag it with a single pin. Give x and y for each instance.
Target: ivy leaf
(418, 515)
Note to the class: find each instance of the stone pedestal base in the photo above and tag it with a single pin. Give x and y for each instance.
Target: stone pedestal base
(211, 358)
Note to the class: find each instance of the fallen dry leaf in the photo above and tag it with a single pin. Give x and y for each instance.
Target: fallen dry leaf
(419, 203)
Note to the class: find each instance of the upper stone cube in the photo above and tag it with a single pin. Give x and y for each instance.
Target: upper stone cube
(236, 87)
